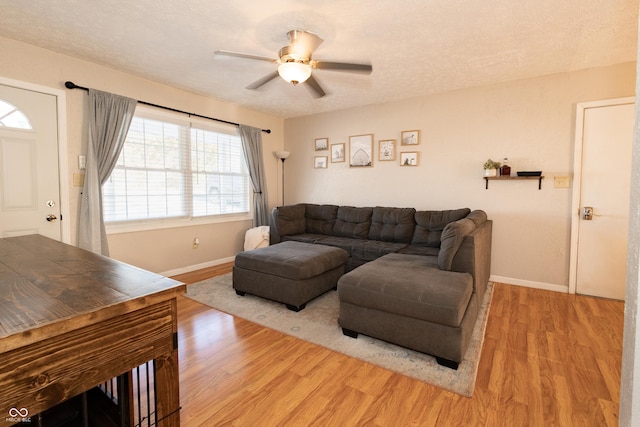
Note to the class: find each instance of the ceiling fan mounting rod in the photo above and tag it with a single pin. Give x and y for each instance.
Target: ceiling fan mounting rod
(289, 54)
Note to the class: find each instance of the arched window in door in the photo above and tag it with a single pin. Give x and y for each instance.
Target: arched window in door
(11, 117)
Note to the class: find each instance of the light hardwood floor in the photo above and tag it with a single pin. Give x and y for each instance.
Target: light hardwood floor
(549, 359)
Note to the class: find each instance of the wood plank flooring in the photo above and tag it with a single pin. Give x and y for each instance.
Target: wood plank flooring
(549, 359)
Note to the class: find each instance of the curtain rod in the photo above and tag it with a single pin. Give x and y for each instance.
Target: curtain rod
(72, 85)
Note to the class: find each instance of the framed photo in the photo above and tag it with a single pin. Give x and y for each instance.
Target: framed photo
(409, 158)
(361, 150)
(337, 153)
(410, 137)
(320, 162)
(386, 150)
(322, 144)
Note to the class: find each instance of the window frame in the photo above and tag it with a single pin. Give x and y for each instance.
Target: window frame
(165, 223)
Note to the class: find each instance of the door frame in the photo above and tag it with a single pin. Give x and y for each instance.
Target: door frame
(63, 166)
(577, 179)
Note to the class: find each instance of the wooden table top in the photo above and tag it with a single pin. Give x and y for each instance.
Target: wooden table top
(49, 288)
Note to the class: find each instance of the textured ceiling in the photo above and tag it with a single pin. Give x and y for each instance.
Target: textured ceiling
(416, 47)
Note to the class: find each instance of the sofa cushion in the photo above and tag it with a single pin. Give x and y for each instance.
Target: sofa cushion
(353, 222)
(429, 225)
(345, 243)
(452, 237)
(392, 224)
(303, 237)
(320, 218)
(368, 250)
(290, 219)
(408, 285)
(420, 250)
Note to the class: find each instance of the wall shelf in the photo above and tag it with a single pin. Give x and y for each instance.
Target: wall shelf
(510, 178)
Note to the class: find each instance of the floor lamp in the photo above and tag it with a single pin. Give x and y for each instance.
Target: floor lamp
(282, 155)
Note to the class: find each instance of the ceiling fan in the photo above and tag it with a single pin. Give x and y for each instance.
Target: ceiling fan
(295, 64)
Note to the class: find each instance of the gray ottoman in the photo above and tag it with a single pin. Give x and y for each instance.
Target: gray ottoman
(290, 272)
(407, 300)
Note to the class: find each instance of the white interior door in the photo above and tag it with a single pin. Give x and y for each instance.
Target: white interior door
(29, 173)
(601, 212)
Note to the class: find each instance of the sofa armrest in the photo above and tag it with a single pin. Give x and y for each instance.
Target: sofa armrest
(274, 234)
(286, 221)
(474, 256)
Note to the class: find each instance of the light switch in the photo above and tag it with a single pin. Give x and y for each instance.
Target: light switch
(82, 162)
(562, 181)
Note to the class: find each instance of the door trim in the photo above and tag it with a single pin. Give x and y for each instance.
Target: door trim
(63, 165)
(577, 180)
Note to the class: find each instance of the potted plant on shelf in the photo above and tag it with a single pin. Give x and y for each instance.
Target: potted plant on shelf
(491, 168)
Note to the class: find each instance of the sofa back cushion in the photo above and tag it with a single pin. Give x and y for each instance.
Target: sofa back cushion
(429, 225)
(452, 237)
(320, 219)
(289, 219)
(392, 224)
(353, 222)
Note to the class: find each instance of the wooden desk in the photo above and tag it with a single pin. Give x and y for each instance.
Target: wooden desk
(71, 319)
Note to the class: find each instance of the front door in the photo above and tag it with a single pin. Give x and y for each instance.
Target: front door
(601, 213)
(29, 177)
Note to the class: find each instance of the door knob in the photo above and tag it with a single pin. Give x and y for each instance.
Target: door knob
(52, 218)
(587, 213)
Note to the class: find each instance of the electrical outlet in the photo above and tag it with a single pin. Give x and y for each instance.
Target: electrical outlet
(196, 243)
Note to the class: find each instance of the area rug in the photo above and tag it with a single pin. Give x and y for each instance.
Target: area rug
(318, 323)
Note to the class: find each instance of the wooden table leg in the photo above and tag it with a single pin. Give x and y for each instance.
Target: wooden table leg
(167, 382)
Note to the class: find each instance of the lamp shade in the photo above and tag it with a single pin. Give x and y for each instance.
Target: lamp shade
(294, 72)
(282, 154)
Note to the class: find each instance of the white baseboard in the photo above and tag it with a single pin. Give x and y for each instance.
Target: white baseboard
(191, 268)
(530, 284)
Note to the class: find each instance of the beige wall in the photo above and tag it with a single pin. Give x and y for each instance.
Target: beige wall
(165, 250)
(530, 121)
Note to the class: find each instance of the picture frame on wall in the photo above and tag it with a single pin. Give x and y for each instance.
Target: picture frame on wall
(361, 150)
(410, 137)
(386, 150)
(409, 158)
(322, 144)
(320, 162)
(337, 153)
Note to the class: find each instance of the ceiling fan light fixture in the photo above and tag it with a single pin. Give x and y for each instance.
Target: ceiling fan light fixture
(294, 72)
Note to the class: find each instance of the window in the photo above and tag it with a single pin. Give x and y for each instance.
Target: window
(176, 170)
(11, 117)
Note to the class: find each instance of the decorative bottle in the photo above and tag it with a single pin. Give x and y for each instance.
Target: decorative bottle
(505, 169)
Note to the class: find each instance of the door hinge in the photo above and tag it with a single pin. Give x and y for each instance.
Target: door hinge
(175, 340)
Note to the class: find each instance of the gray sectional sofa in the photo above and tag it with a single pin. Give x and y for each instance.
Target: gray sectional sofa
(413, 278)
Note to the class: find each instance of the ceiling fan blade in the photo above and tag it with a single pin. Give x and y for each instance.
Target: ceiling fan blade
(244, 55)
(344, 66)
(304, 42)
(263, 81)
(316, 89)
